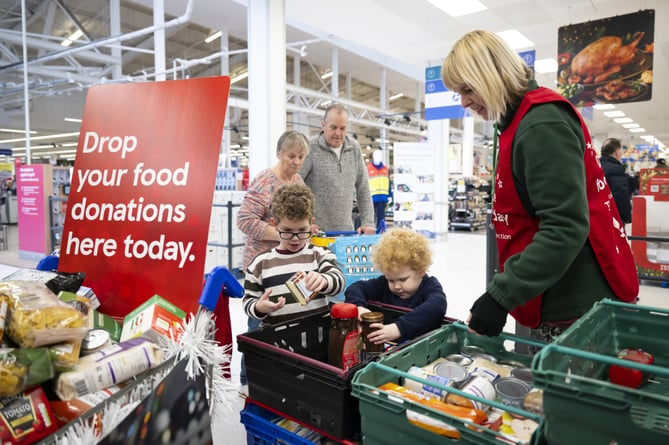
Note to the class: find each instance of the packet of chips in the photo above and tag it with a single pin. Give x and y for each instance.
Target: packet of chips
(23, 368)
(36, 317)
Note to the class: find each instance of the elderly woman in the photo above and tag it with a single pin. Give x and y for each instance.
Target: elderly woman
(254, 214)
(561, 245)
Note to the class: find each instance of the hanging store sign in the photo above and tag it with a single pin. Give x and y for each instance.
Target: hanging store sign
(607, 61)
(143, 182)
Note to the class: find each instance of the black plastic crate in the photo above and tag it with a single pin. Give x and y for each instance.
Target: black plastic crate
(287, 369)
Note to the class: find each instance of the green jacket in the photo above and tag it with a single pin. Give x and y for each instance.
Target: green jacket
(549, 175)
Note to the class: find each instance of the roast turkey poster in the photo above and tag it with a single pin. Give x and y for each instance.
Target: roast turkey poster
(607, 61)
(141, 193)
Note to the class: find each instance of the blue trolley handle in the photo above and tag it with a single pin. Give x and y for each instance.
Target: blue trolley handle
(219, 279)
(342, 233)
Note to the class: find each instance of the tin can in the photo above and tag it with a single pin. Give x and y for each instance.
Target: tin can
(476, 386)
(452, 371)
(511, 363)
(427, 390)
(459, 359)
(630, 377)
(94, 341)
(490, 358)
(470, 350)
(524, 374)
(511, 391)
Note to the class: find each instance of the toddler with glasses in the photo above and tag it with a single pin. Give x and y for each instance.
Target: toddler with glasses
(267, 296)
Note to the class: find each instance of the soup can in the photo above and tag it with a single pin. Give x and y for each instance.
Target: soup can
(94, 341)
(453, 372)
(511, 391)
(459, 359)
(470, 350)
(424, 389)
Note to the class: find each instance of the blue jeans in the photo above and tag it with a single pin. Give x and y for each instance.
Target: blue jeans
(253, 325)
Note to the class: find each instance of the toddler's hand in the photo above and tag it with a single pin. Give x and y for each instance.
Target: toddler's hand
(266, 306)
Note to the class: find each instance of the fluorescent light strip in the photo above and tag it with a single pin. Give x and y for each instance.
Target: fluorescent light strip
(623, 120)
(637, 130)
(239, 77)
(72, 119)
(542, 66)
(604, 107)
(327, 75)
(36, 138)
(395, 96)
(631, 125)
(213, 37)
(515, 39)
(74, 36)
(11, 130)
(616, 113)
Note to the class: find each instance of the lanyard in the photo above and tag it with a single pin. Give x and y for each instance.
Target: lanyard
(495, 140)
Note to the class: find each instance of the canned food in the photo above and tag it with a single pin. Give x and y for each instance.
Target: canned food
(452, 371)
(524, 374)
(511, 363)
(476, 386)
(94, 341)
(511, 391)
(490, 358)
(459, 359)
(470, 350)
(427, 390)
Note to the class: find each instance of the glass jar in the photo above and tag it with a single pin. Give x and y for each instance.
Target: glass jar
(343, 350)
(366, 320)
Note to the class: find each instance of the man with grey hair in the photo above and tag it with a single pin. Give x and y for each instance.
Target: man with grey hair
(620, 182)
(336, 173)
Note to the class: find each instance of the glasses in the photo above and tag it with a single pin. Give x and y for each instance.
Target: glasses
(291, 235)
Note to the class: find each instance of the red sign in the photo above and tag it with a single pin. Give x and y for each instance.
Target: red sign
(142, 189)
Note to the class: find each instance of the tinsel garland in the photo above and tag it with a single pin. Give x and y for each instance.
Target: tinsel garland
(194, 343)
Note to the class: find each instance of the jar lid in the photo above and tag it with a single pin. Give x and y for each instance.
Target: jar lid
(344, 310)
(372, 317)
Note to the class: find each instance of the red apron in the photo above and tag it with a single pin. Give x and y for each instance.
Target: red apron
(514, 228)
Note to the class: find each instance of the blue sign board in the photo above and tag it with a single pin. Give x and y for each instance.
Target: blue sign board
(528, 57)
(440, 103)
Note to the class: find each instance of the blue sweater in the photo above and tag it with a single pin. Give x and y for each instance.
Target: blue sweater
(428, 303)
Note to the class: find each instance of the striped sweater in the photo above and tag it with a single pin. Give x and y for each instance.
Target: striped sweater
(270, 270)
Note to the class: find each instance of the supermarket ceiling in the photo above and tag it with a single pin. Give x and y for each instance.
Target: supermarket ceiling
(404, 36)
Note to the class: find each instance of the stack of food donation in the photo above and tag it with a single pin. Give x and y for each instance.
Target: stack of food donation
(60, 356)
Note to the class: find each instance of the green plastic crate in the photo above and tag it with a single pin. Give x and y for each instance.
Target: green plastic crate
(383, 417)
(580, 404)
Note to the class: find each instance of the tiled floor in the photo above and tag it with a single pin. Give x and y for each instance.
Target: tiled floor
(458, 263)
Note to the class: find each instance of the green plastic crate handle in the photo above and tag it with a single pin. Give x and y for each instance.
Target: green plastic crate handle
(538, 364)
(655, 310)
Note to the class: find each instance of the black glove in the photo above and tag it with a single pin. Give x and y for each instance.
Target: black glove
(488, 316)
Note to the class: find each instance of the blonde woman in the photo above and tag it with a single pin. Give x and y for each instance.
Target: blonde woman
(560, 241)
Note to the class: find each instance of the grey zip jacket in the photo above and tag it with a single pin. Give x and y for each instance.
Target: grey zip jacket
(335, 183)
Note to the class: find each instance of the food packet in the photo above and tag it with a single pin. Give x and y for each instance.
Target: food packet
(3, 313)
(65, 355)
(107, 367)
(23, 368)
(36, 317)
(26, 418)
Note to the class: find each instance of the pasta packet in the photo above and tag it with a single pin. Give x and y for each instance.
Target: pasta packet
(23, 368)
(36, 317)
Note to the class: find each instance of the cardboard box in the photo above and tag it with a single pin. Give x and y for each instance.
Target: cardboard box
(154, 318)
(98, 320)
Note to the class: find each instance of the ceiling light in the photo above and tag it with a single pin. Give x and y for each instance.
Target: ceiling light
(604, 107)
(49, 136)
(546, 66)
(213, 37)
(638, 130)
(631, 125)
(239, 77)
(74, 36)
(623, 120)
(616, 113)
(395, 96)
(326, 75)
(647, 137)
(456, 8)
(10, 130)
(71, 119)
(515, 39)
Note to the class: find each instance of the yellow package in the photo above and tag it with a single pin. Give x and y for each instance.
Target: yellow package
(36, 317)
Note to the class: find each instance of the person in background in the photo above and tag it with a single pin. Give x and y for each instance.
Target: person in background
(254, 216)
(403, 257)
(379, 185)
(560, 244)
(335, 172)
(619, 181)
(266, 294)
(661, 163)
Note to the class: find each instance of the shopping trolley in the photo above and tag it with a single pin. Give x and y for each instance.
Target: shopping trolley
(173, 400)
